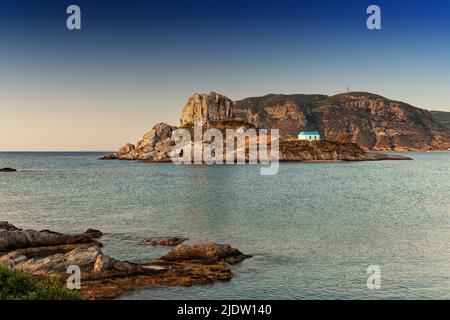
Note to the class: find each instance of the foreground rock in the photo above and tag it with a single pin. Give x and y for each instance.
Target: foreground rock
(163, 241)
(8, 170)
(15, 238)
(104, 277)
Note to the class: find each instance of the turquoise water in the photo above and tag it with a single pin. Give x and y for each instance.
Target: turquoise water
(313, 228)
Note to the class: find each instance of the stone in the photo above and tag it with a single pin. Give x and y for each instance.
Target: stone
(103, 263)
(205, 252)
(85, 258)
(12, 259)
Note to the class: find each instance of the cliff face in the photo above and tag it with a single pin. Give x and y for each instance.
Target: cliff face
(206, 108)
(371, 121)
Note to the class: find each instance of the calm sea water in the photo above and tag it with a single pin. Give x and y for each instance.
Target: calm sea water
(313, 228)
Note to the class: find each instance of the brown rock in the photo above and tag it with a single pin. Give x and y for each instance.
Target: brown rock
(205, 252)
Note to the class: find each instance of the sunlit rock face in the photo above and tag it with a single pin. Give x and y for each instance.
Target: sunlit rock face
(205, 108)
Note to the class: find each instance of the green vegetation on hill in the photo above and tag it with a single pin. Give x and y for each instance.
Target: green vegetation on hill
(312, 100)
(256, 103)
(17, 285)
(442, 117)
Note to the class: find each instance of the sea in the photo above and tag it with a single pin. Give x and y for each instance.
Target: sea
(315, 230)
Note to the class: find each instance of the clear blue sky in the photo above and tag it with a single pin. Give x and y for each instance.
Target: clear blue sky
(134, 63)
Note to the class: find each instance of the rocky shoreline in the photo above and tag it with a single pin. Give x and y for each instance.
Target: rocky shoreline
(45, 254)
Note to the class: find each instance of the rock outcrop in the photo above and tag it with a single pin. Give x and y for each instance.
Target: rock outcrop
(371, 121)
(205, 108)
(292, 149)
(46, 254)
(155, 145)
(14, 238)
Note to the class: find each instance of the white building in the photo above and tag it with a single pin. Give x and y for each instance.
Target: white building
(309, 135)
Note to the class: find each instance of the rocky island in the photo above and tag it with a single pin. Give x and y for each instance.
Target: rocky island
(219, 112)
(44, 254)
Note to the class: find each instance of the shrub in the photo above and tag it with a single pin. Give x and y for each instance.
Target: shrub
(17, 285)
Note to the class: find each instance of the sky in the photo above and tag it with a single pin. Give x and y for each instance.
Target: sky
(135, 63)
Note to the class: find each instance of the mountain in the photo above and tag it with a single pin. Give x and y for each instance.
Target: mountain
(441, 117)
(369, 120)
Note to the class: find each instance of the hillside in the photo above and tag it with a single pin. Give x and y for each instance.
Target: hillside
(442, 117)
(369, 120)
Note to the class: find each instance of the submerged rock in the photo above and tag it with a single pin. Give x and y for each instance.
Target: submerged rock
(163, 241)
(8, 170)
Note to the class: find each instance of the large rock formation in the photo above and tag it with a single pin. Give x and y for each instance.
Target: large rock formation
(205, 108)
(360, 118)
(155, 145)
(371, 121)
